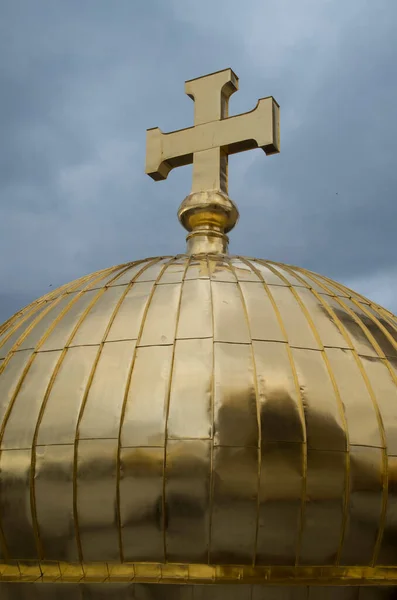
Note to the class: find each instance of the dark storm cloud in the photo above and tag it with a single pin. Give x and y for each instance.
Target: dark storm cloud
(335, 183)
(81, 82)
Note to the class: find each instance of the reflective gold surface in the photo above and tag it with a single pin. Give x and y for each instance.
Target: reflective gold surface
(204, 418)
(208, 213)
(200, 419)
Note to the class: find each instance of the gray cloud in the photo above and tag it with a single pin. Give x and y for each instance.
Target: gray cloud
(80, 83)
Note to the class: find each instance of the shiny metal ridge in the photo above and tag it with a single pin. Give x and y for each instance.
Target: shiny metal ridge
(199, 420)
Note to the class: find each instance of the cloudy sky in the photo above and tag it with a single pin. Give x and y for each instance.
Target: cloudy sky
(80, 81)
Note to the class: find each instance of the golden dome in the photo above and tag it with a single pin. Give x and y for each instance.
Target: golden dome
(202, 418)
(200, 410)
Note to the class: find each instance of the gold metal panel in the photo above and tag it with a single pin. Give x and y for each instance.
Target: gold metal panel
(197, 268)
(129, 316)
(195, 316)
(141, 504)
(15, 506)
(152, 271)
(359, 339)
(228, 308)
(345, 294)
(174, 271)
(93, 327)
(94, 279)
(242, 270)
(29, 569)
(234, 505)
(98, 572)
(14, 332)
(160, 323)
(324, 413)
(359, 408)
(360, 299)
(235, 402)
(30, 311)
(326, 326)
(72, 571)
(312, 281)
(103, 406)
(388, 550)
(187, 495)
(280, 503)
(6, 329)
(335, 289)
(59, 418)
(365, 506)
(266, 274)
(11, 571)
(220, 269)
(322, 284)
(125, 277)
(190, 406)
(39, 329)
(53, 489)
(297, 327)
(96, 499)
(60, 334)
(287, 275)
(147, 401)
(315, 282)
(381, 580)
(385, 320)
(280, 410)
(18, 319)
(385, 390)
(380, 337)
(19, 430)
(49, 319)
(110, 279)
(10, 377)
(262, 318)
(323, 516)
(393, 364)
(386, 313)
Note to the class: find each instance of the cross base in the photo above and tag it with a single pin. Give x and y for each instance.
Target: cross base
(208, 216)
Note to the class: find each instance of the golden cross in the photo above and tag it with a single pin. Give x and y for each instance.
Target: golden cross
(214, 135)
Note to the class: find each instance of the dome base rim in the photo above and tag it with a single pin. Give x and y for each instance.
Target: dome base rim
(166, 573)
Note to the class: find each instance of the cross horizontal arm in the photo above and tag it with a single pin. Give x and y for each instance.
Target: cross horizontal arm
(258, 128)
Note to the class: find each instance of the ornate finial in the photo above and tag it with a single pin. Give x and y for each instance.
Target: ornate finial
(208, 213)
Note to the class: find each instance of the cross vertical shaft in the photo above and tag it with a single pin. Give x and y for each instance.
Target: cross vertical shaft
(211, 103)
